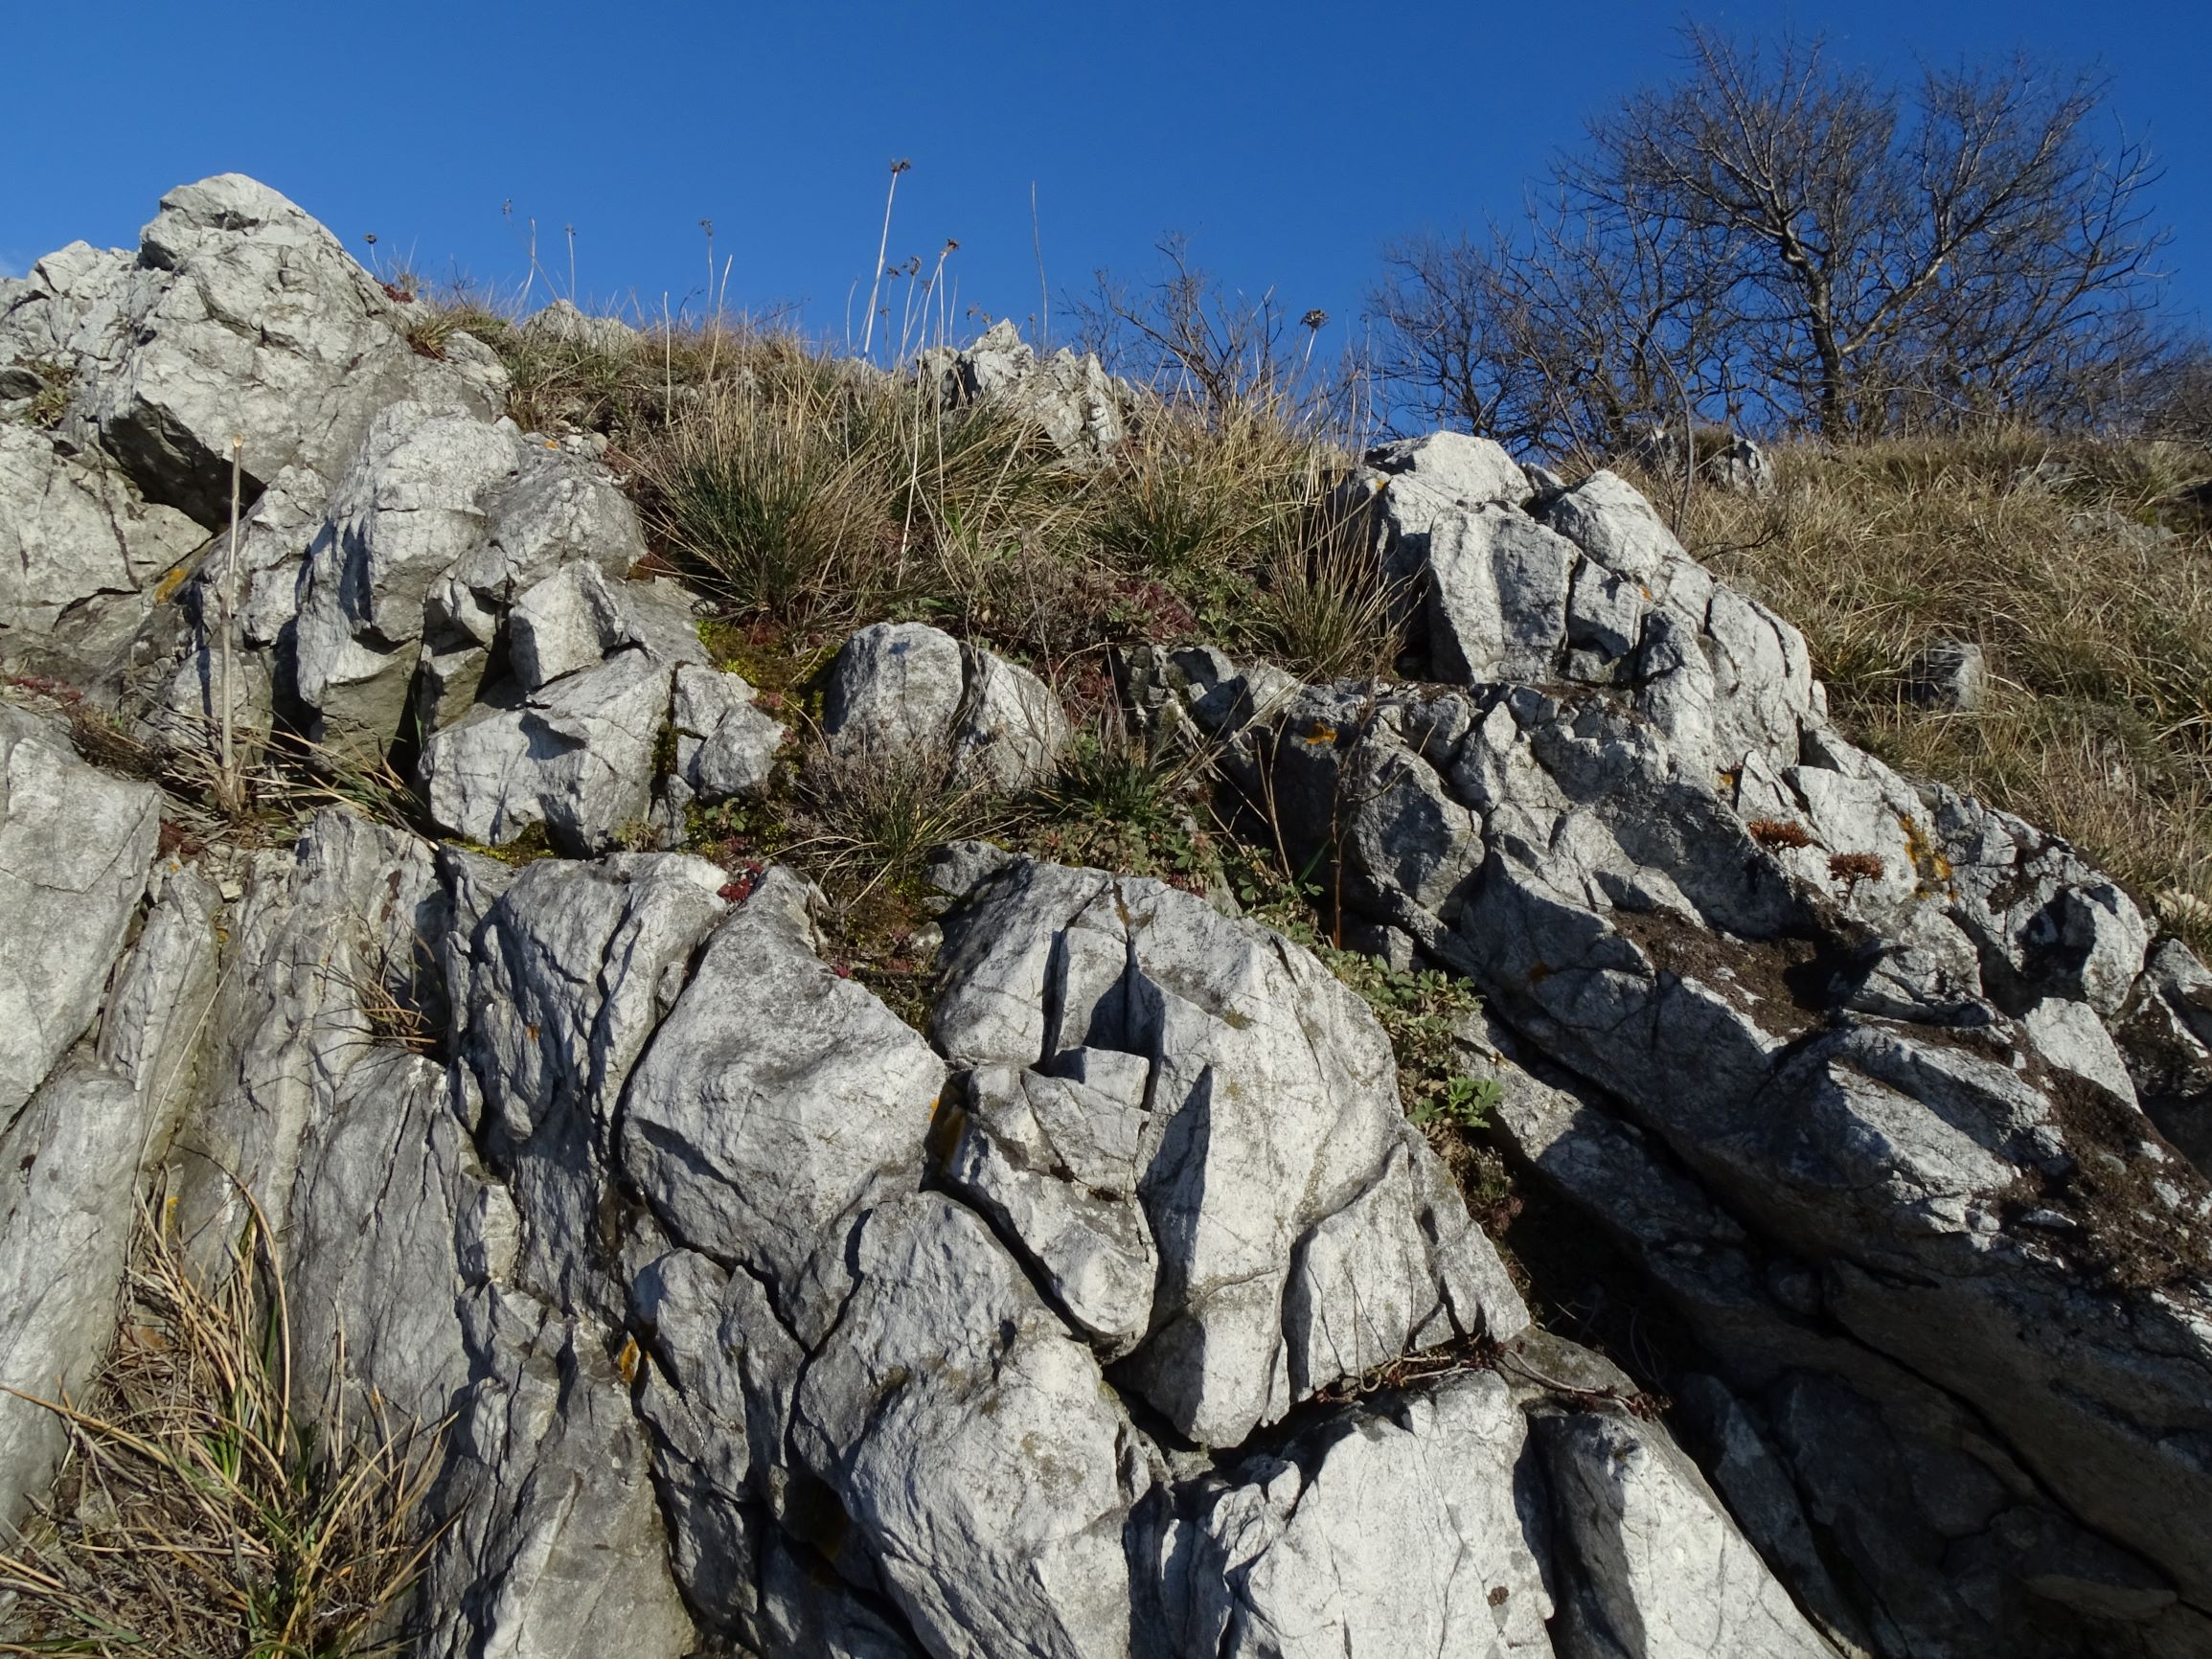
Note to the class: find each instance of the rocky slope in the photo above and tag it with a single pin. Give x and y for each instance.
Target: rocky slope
(769, 1323)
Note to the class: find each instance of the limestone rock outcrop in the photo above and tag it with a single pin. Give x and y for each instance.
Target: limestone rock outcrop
(1115, 1309)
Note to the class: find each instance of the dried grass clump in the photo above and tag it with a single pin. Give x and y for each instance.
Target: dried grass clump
(1324, 605)
(811, 489)
(203, 1511)
(2079, 568)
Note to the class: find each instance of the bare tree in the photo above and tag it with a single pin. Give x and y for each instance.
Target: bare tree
(2177, 398)
(1191, 339)
(1183, 334)
(1803, 247)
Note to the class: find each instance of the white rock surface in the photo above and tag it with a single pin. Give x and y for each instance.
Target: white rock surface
(1380, 1534)
(908, 695)
(726, 744)
(1278, 1171)
(75, 843)
(776, 1096)
(984, 1465)
(1661, 1572)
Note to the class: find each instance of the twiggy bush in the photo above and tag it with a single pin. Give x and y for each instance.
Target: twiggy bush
(205, 1510)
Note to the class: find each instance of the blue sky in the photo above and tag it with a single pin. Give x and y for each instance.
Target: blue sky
(1287, 141)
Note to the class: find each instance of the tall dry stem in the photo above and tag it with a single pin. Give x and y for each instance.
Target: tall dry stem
(230, 610)
(882, 249)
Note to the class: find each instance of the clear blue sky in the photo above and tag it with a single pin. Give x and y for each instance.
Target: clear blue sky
(1287, 141)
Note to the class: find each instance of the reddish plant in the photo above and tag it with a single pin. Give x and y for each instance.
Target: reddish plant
(740, 887)
(1851, 868)
(1779, 833)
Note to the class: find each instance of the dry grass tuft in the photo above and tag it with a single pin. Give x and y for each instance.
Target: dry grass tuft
(1324, 605)
(869, 821)
(2079, 569)
(204, 1512)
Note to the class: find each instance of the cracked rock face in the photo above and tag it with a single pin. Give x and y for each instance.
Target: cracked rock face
(1273, 1171)
(1396, 1531)
(75, 846)
(1077, 404)
(1836, 1047)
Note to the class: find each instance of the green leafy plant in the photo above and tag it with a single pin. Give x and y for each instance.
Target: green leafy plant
(1465, 1102)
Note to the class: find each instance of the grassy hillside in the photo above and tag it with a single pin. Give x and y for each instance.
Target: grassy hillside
(2084, 569)
(807, 492)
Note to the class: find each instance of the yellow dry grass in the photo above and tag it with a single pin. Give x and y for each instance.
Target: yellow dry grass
(2080, 570)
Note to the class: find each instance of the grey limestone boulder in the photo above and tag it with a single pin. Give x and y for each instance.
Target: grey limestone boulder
(904, 694)
(577, 754)
(66, 1215)
(571, 970)
(1426, 477)
(726, 743)
(71, 1156)
(1053, 1161)
(1947, 673)
(2164, 1032)
(1658, 1569)
(1080, 407)
(74, 535)
(984, 1465)
(2045, 922)
(1722, 456)
(556, 1548)
(562, 323)
(404, 514)
(570, 621)
(239, 316)
(375, 1271)
(1497, 595)
(330, 952)
(1381, 1530)
(895, 690)
(775, 1096)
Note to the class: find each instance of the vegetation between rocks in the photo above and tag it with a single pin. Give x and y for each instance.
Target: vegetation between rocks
(207, 1509)
(2077, 566)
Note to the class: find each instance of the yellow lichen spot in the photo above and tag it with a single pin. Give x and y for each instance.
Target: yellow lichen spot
(170, 581)
(1320, 732)
(1926, 859)
(627, 1361)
